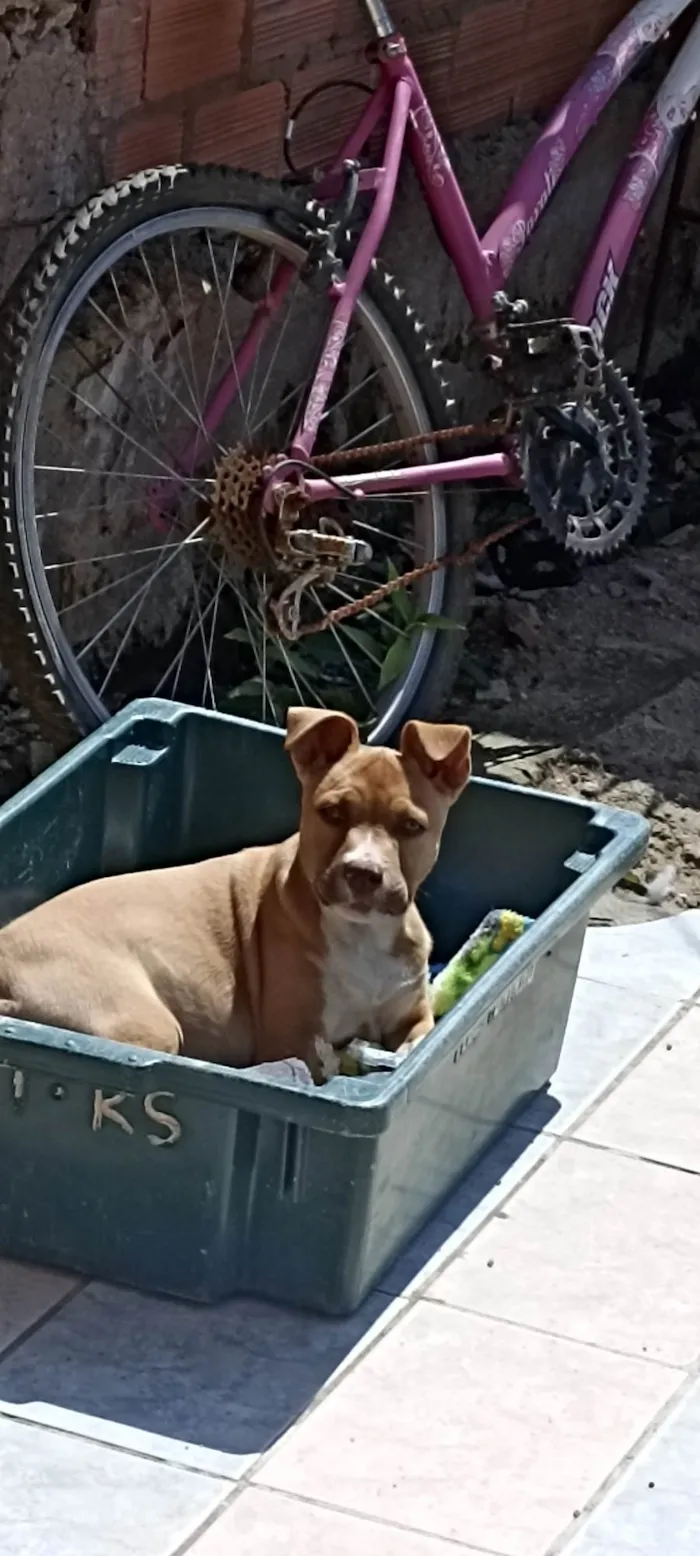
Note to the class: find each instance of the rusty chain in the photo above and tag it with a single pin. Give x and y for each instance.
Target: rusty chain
(487, 430)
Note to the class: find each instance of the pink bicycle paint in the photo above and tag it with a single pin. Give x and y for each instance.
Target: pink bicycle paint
(479, 467)
(537, 179)
(636, 185)
(303, 441)
(446, 203)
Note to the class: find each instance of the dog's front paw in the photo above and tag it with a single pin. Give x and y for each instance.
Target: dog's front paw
(325, 1061)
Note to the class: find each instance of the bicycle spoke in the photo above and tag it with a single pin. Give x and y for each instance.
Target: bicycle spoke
(147, 367)
(98, 373)
(202, 633)
(223, 315)
(159, 570)
(209, 650)
(351, 667)
(361, 437)
(232, 353)
(118, 556)
(387, 534)
(361, 646)
(97, 594)
(122, 310)
(191, 632)
(166, 318)
(251, 385)
(102, 416)
(275, 354)
(368, 610)
(188, 339)
(256, 651)
(125, 475)
(349, 394)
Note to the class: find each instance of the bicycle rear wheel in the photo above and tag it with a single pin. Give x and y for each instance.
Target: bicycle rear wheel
(115, 340)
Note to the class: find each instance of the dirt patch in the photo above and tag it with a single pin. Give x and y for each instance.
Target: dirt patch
(594, 689)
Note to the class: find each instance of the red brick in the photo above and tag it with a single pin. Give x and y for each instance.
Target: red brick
(119, 48)
(325, 122)
(244, 129)
(433, 55)
(555, 47)
(604, 16)
(191, 42)
(285, 30)
(349, 22)
(147, 139)
(487, 66)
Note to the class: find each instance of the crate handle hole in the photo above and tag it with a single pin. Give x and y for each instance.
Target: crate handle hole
(291, 1161)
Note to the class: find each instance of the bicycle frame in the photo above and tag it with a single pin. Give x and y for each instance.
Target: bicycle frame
(483, 265)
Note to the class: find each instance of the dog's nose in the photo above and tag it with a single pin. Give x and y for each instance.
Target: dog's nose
(363, 879)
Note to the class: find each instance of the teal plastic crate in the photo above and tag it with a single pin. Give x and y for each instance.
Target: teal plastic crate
(182, 1177)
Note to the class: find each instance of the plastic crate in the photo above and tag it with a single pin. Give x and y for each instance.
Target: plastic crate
(187, 1178)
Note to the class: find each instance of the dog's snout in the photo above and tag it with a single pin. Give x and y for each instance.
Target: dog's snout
(363, 876)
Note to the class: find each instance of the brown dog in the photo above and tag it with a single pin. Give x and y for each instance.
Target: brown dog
(271, 953)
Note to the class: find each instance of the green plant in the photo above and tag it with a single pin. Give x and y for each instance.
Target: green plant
(405, 614)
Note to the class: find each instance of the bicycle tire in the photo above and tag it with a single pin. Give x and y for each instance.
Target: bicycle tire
(41, 291)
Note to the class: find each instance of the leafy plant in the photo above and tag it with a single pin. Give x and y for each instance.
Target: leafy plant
(320, 664)
(408, 621)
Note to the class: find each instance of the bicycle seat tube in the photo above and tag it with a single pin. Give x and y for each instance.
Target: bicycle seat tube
(380, 18)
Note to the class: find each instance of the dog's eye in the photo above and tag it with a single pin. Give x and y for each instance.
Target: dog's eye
(333, 815)
(410, 826)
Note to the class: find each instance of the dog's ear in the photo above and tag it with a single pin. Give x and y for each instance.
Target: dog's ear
(442, 752)
(317, 738)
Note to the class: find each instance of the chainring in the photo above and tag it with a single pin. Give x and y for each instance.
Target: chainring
(589, 495)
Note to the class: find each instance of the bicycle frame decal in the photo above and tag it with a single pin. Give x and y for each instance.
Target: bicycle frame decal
(534, 185)
(605, 299)
(640, 175)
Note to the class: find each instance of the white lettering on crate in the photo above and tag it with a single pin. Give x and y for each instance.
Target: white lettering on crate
(168, 1120)
(107, 1107)
(514, 989)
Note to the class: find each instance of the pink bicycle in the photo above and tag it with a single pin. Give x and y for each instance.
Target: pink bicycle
(231, 471)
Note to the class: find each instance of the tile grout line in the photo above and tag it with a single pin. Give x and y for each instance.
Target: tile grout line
(246, 1482)
(673, 1406)
(81, 1285)
(333, 1507)
(406, 1305)
(633, 1156)
(555, 1334)
(580, 1116)
(591, 1103)
(679, 1010)
(8, 1414)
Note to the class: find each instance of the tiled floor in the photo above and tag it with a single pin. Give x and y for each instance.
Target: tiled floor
(523, 1384)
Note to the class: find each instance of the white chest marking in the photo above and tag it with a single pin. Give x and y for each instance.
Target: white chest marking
(361, 974)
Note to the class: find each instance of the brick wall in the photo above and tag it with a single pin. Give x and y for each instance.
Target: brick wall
(213, 80)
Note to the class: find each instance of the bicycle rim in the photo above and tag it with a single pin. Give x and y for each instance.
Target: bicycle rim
(107, 648)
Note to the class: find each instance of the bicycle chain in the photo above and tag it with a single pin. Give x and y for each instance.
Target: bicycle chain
(485, 430)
